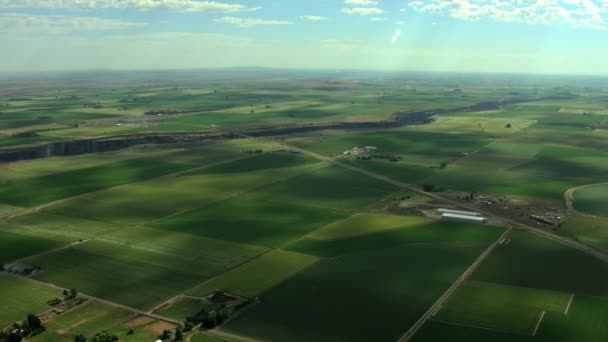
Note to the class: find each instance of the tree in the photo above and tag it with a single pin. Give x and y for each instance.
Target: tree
(80, 338)
(178, 334)
(508, 125)
(74, 292)
(429, 187)
(33, 322)
(443, 165)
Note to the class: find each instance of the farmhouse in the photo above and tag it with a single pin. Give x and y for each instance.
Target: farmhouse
(463, 218)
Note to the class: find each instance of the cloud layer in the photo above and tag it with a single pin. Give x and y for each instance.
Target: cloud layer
(576, 13)
(55, 24)
(176, 5)
(250, 22)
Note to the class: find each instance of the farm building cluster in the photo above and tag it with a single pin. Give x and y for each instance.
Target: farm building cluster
(359, 150)
(461, 216)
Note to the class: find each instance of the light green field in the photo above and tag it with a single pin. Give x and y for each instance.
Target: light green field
(362, 224)
(592, 200)
(86, 319)
(511, 148)
(588, 230)
(257, 275)
(57, 227)
(175, 250)
(141, 329)
(20, 298)
(501, 307)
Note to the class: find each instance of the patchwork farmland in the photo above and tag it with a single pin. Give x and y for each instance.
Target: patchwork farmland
(223, 209)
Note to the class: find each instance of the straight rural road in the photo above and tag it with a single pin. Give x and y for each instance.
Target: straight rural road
(439, 302)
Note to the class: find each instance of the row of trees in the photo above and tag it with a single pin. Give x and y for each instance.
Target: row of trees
(31, 326)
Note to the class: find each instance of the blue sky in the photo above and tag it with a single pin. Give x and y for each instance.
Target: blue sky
(524, 36)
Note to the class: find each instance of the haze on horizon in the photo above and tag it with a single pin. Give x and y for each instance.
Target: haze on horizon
(514, 36)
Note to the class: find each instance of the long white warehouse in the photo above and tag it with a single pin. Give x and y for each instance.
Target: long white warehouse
(458, 212)
(463, 218)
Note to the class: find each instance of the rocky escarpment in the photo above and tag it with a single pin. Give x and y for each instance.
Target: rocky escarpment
(104, 144)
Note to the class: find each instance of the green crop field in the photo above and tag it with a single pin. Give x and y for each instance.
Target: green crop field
(15, 246)
(434, 331)
(345, 298)
(331, 187)
(135, 283)
(362, 224)
(396, 170)
(257, 275)
(592, 200)
(48, 188)
(531, 261)
(147, 201)
(21, 297)
(500, 307)
(240, 219)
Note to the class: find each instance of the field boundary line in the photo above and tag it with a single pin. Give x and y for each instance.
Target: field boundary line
(439, 302)
(231, 336)
(475, 326)
(540, 320)
(569, 303)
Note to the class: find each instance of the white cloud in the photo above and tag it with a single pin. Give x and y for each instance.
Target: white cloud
(250, 22)
(55, 24)
(361, 2)
(399, 23)
(377, 19)
(362, 11)
(176, 5)
(576, 13)
(313, 18)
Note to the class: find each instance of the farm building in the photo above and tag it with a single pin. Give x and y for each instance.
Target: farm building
(458, 212)
(463, 218)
